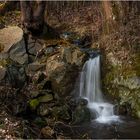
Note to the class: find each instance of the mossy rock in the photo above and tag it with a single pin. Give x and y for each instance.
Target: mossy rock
(46, 98)
(34, 104)
(81, 115)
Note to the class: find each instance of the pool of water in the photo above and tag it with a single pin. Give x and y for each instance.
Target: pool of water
(128, 128)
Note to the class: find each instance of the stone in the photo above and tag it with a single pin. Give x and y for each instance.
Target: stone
(47, 132)
(63, 68)
(81, 114)
(16, 76)
(34, 45)
(46, 98)
(18, 53)
(82, 102)
(11, 38)
(35, 66)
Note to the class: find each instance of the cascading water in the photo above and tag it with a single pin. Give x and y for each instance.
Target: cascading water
(90, 89)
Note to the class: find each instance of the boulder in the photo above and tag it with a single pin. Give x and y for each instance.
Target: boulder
(47, 132)
(11, 38)
(63, 68)
(81, 113)
(121, 80)
(16, 76)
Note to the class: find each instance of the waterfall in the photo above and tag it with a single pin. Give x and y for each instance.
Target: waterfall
(90, 89)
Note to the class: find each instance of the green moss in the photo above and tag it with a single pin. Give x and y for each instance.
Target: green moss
(33, 104)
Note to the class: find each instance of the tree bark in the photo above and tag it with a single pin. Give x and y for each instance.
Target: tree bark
(33, 16)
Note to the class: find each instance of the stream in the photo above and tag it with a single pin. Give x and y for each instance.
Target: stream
(127, 129)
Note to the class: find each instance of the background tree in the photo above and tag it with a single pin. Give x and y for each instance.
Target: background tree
(33, 16)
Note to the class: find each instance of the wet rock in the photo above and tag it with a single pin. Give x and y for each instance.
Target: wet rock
(82, 102)
(61, 113)
(81, 114)
(122, 110)
(18, 53)
(47, 132)
(43, 110)
(14, 45)
(62, 69)
(16, 76)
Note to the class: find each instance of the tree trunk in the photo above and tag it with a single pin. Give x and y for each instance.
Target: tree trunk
(33, 16)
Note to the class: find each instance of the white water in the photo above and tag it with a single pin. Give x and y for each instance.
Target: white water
(90, 89)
